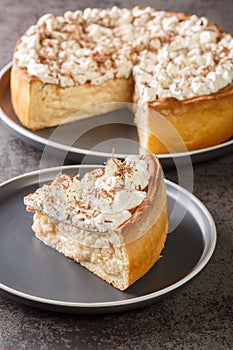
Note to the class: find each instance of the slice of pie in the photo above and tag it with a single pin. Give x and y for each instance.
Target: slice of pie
(113, 221)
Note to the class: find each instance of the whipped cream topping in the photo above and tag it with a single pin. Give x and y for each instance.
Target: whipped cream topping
(197, 61)
(103, 200)
(169, 56)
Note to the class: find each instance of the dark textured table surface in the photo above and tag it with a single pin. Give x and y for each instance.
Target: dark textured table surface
(198, 317)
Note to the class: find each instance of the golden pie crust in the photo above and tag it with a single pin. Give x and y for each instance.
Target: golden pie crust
(200, 122)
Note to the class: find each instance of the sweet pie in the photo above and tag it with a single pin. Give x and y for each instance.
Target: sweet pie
(177, 65)
(113, 221)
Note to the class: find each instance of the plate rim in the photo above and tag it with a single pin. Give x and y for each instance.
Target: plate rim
(20, 129)
(96, 306)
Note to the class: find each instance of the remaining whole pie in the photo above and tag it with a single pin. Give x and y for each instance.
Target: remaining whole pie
(177, 65)
(113, 221)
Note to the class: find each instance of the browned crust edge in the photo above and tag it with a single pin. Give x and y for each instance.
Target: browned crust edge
(146, 251)
(201, 122)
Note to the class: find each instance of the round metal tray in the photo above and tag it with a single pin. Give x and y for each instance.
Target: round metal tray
(37, 275)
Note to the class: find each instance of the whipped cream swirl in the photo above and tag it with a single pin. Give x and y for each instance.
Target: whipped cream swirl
(103, 200)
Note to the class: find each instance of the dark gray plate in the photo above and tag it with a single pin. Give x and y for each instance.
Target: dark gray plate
(97, 135)
(36, 274)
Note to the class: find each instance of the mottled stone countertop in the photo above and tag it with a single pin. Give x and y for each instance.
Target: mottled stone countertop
(198, 317)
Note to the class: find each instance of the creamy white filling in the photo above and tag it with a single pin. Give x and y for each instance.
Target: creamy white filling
(101, 201)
